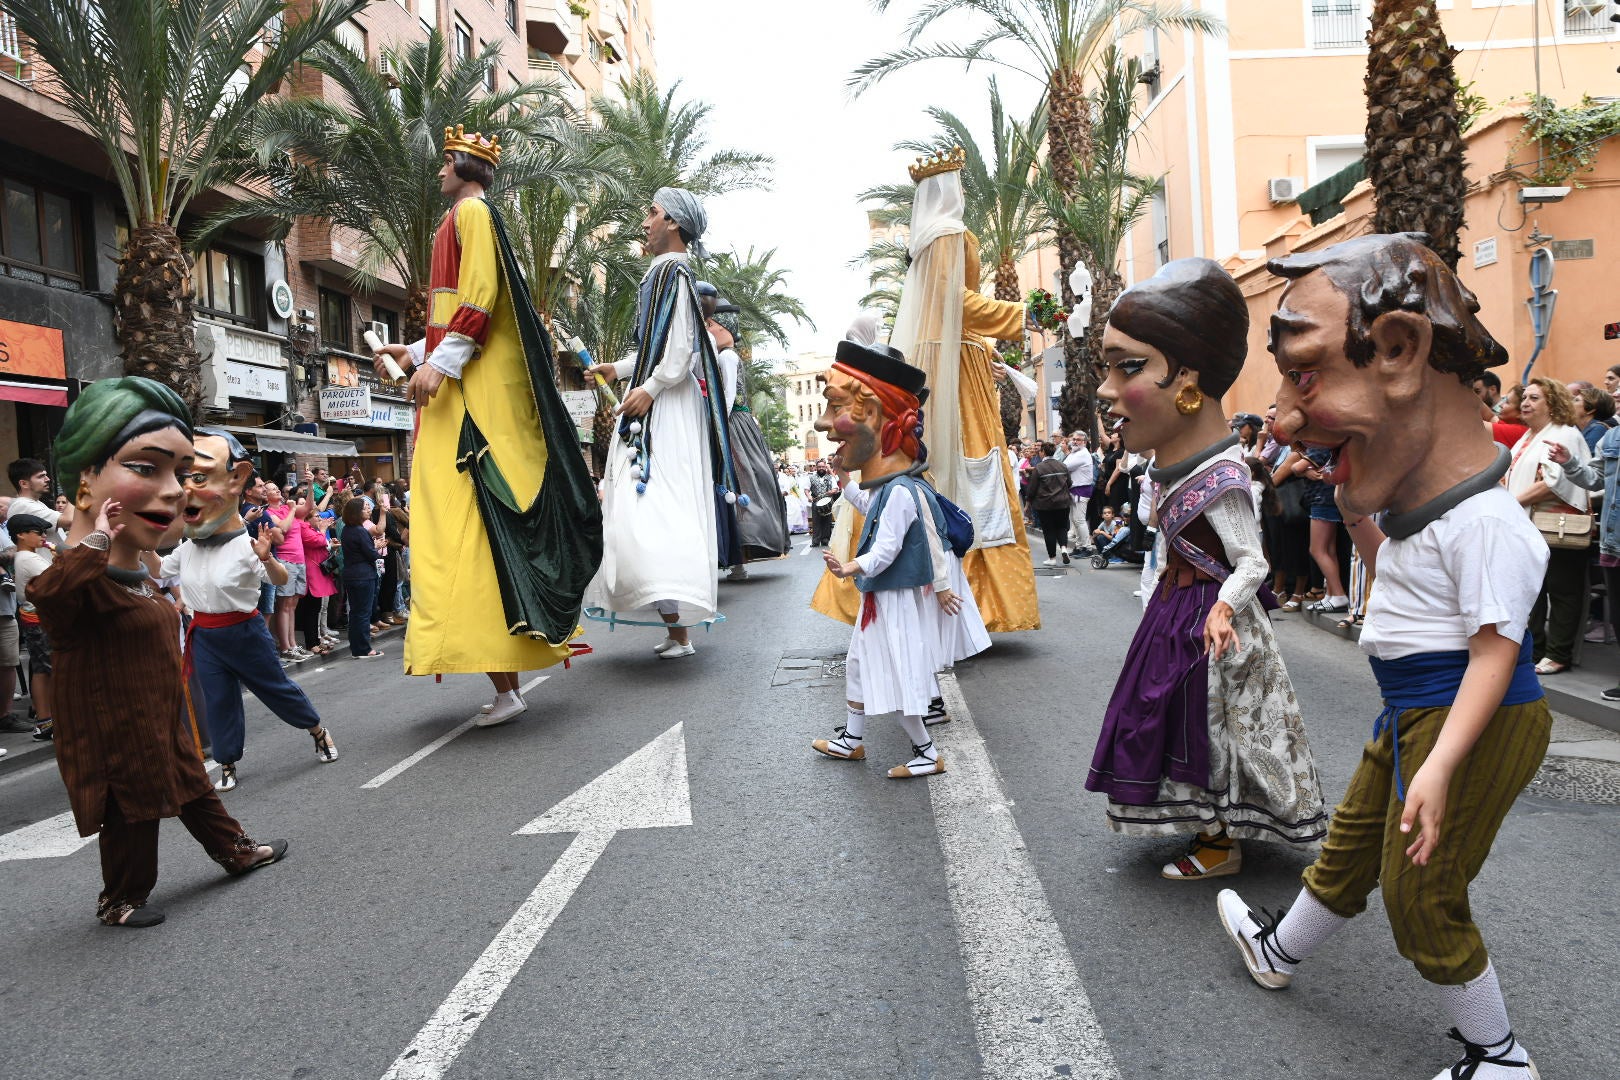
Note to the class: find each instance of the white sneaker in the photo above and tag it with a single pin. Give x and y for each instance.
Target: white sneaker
(664, 646)
(738, 573)
(507, 707)
(1500, 1062)
(491, 706)
(675, 649)
(1052, 562)
(1253, 941)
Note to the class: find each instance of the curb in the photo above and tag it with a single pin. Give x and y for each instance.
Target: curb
(1564, 697)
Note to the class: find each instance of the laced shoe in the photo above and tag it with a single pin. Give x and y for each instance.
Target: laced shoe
(664, 646)
(927, 762)
(227, 778)
(325, 748)
(843, 746)
(12, 724)
(507, 707)
(1207, 857)
(1499, 1062)
(491, 706)
(677, 650)
(1255, 936)
(936, 713)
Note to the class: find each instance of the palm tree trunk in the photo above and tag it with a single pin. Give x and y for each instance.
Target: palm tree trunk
(153, 312)
(1068, 139)
(1012, 404)
(1414, 141)
(416, 312)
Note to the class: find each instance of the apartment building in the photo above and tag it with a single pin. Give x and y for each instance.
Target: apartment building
(805, 403)
(278, 325)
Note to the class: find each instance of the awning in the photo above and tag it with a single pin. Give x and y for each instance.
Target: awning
(34, 393)
(293, 442)
(1324, 201)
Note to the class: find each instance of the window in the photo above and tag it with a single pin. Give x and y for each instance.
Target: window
(39, 236)
(464, 41)
(511, 14)
(1587, 18)
(389, 319)
(489, 72)
(1150, 62)
(1338, 24)
(1330, 155)
(351, 36)
(428, 12)
(1161, 227)
(227, 284)
(335, 328)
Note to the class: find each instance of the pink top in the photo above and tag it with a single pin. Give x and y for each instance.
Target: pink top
(315, 547)
(291, 549)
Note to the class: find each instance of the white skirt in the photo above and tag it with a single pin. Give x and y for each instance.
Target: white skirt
(961, 635)
(892, 662)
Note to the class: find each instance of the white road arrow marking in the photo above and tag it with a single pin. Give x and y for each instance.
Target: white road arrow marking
(647, 790)
(54, 838)
(383, 777)
(1031, 1013)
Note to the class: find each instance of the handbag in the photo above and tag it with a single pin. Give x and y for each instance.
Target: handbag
(958, 526)
(332, 565)
(1564, 528)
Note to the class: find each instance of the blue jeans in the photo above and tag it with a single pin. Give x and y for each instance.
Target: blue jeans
(267, 599)
(362, 596)
(227, 658)
(1120, 539)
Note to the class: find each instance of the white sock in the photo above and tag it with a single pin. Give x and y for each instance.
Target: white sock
(915, 730)
(1301, 932)
(1481, 1017)
(855, 726)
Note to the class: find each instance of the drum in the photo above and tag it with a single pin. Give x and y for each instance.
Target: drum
(824, 504)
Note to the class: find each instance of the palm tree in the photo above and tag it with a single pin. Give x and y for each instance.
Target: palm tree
(165, 87)
(663, 143)
(371, 164)
(1414, 136)
(1099, 211)
(1057, 42)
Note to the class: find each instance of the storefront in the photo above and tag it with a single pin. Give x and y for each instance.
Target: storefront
(377, 424)
(33, 390)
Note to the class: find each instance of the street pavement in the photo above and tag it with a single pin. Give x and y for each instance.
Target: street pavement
(650, 874)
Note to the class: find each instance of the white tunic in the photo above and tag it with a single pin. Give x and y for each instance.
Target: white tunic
(659, 545)
(892, 663)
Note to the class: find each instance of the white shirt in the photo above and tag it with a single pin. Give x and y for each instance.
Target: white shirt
(899, 511)
(27, 566)
(1082, 468)
(730, 363)
(217, 578)
(1479, 565)
(22, 504)
(1530, 455)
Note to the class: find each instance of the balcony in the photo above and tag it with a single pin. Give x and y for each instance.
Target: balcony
(336, 249)
(1587, 19)
(546, 70)
(552, 27)
(1338, 24)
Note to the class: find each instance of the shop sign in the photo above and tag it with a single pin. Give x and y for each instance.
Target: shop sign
(581, 405)
(233, 343)
(345, 403)
(1567, 250)
(26, 349)
(253, 382)
(388, 415)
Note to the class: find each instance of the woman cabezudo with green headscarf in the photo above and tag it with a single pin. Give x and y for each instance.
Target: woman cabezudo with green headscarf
(126, 754)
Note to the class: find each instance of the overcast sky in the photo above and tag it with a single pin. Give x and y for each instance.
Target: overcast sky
(774, 71)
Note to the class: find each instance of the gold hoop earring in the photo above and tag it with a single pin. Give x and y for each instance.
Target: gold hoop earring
(1186, 405)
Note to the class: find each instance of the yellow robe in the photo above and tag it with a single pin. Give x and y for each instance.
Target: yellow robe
(458, 623)
(1002, 577)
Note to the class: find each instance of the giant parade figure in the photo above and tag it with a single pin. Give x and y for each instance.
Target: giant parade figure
(505, 528)
(1378, 344)
(669, 496)
(943, 327)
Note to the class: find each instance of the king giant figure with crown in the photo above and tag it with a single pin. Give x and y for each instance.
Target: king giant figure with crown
(506, 531)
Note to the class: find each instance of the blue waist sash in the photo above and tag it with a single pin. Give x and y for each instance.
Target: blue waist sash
(1431, 680)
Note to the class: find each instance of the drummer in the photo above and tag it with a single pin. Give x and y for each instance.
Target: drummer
(823, 494)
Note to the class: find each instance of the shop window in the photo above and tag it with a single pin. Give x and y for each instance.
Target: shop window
(336, 329)
(39, 235)
(227, 285)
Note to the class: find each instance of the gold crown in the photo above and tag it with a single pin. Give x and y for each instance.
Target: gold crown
(945, 161)
(457, 139)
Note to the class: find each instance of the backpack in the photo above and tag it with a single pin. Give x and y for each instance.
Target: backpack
(958, 526)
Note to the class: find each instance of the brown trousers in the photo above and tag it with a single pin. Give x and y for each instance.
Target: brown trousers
(1365, 848)
(129, 849)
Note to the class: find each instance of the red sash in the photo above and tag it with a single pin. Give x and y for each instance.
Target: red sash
(209, 620)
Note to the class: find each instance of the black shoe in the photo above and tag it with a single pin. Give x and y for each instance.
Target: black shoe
(1611, 694)
(131, 916)
(46, 731)
(12, 724)
(1065, 558)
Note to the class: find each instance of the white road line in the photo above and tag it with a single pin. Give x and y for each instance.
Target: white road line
(1031, 1013)
(383, 777)
(54, 838)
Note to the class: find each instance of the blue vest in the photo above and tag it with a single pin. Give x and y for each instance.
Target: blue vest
(913, 567)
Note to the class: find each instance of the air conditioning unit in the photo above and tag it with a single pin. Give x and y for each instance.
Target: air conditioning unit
(380, 329)
(1284, 189)
(385, 66)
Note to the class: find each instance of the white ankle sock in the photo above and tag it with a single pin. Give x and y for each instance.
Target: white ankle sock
(915, 730)
(1301, 932)
(1480, 1014)
(855, 726)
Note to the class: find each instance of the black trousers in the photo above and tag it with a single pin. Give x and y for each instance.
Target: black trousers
(1556, 620)
(1054, 527)
(307, 619)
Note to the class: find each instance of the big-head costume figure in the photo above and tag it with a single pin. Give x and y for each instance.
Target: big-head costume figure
(1377, 343)
(1203, 733)
(221, 570)
(505, 526)
(909, 614)
(943, 327)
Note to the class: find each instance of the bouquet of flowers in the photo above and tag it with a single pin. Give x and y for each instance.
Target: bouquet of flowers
(1012, 356)
(1045, 311)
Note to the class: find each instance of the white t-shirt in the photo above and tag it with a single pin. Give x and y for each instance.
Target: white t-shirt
(26, 566)
(22, 504)
(1082, 469)
(218, 578)
(1479, 565)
